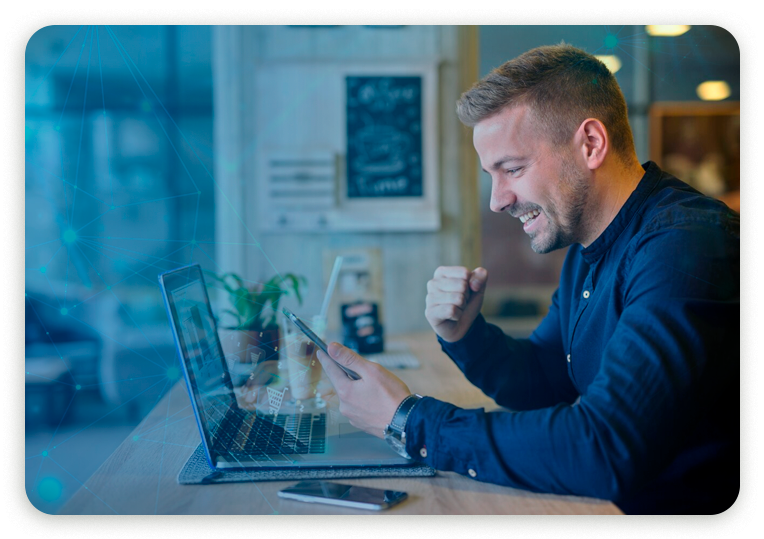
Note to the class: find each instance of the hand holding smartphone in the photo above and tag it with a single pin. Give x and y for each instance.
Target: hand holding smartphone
(320, 343)
(343, 495)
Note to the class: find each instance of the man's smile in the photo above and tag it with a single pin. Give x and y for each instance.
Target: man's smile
(528, 216)
(531, 221)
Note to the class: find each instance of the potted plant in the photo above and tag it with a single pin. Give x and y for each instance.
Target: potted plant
(254, 336)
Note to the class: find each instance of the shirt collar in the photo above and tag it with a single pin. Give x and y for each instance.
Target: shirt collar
(608, 237)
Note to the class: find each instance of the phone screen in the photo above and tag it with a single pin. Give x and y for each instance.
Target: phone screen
(339, 494)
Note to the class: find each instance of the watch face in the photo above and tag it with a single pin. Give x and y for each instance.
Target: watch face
(398, 446)
(395, 442)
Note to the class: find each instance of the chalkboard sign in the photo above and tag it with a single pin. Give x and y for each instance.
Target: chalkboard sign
(384, 136)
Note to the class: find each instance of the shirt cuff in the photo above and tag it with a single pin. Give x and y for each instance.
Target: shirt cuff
(478, 340)
(422, 430)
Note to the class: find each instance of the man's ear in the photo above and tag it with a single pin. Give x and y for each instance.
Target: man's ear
(593, 141)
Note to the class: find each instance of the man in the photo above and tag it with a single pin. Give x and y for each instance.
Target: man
(629, 388)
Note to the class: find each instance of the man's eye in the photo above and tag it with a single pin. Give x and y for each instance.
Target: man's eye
(513, 170)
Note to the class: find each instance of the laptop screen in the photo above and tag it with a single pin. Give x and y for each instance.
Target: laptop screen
(197, 336)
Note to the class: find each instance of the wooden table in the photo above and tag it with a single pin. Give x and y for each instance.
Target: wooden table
(140, 477)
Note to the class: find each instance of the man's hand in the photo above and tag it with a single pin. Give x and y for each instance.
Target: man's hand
(454, 298)
(371, 402)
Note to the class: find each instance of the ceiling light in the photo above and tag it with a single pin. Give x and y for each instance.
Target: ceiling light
(612, 62)
(667, 29)
(713, 90)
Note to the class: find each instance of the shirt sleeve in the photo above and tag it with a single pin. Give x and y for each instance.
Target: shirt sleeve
(663, 367)
(520, 374)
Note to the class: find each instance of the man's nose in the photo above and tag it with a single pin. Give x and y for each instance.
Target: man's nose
(501, 197)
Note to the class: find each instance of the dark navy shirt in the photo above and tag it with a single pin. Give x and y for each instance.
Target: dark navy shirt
(629, 388)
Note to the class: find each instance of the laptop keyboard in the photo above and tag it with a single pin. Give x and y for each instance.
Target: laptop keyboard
(250, 436)
(308, 429)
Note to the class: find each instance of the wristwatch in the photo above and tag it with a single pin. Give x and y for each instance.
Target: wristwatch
(395, 432)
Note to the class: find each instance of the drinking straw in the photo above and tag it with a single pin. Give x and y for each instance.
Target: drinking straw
(332, 285)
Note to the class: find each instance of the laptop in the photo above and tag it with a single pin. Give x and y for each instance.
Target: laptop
(275, 435)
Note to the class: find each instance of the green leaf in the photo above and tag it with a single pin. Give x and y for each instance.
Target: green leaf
(241, 303)
(295, 286)
(238, 280)
(273, 284)
(257, 307)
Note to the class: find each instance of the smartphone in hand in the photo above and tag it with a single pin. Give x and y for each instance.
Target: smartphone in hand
(343, 495)
(320, 343)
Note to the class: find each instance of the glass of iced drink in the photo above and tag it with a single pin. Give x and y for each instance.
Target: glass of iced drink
(299, 358)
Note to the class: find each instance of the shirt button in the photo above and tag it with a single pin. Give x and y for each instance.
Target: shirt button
(423, 452)
(586, 294)
(568, 358)
(472, 472)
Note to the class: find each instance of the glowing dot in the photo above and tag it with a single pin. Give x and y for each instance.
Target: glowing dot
(667, 29)
(57, 128)
(44, 453)
(173, 373)
(135, 438)
(43, 269)
(193, 241)
(64, 311)
(611, 61)
(146, 106)
(198, 192)
(108, 288)
(70, 236)
(76, 187)
(713, 90)
(113, 207)
(611, 41)
(49, 489)
(78, 387)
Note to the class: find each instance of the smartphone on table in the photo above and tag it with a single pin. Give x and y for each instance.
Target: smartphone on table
(343, 495)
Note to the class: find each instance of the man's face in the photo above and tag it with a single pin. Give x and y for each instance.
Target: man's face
(546, 189)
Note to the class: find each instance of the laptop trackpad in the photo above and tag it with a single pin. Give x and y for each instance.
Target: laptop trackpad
(348, 431)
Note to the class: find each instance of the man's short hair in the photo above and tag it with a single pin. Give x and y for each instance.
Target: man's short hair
(562, 86)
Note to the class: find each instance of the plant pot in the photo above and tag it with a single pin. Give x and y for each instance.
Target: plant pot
(250, 346)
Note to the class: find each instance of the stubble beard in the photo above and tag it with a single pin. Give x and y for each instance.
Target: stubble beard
(564, 223)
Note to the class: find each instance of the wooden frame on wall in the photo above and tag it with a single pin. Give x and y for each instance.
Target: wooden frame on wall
(315, 93)
(699, 142)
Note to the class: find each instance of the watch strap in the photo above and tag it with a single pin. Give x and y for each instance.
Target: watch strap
(398, 424)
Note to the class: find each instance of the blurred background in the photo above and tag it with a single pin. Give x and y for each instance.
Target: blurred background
(268, 151)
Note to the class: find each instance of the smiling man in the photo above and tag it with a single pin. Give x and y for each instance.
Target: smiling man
(629, 388)
(546, 188)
